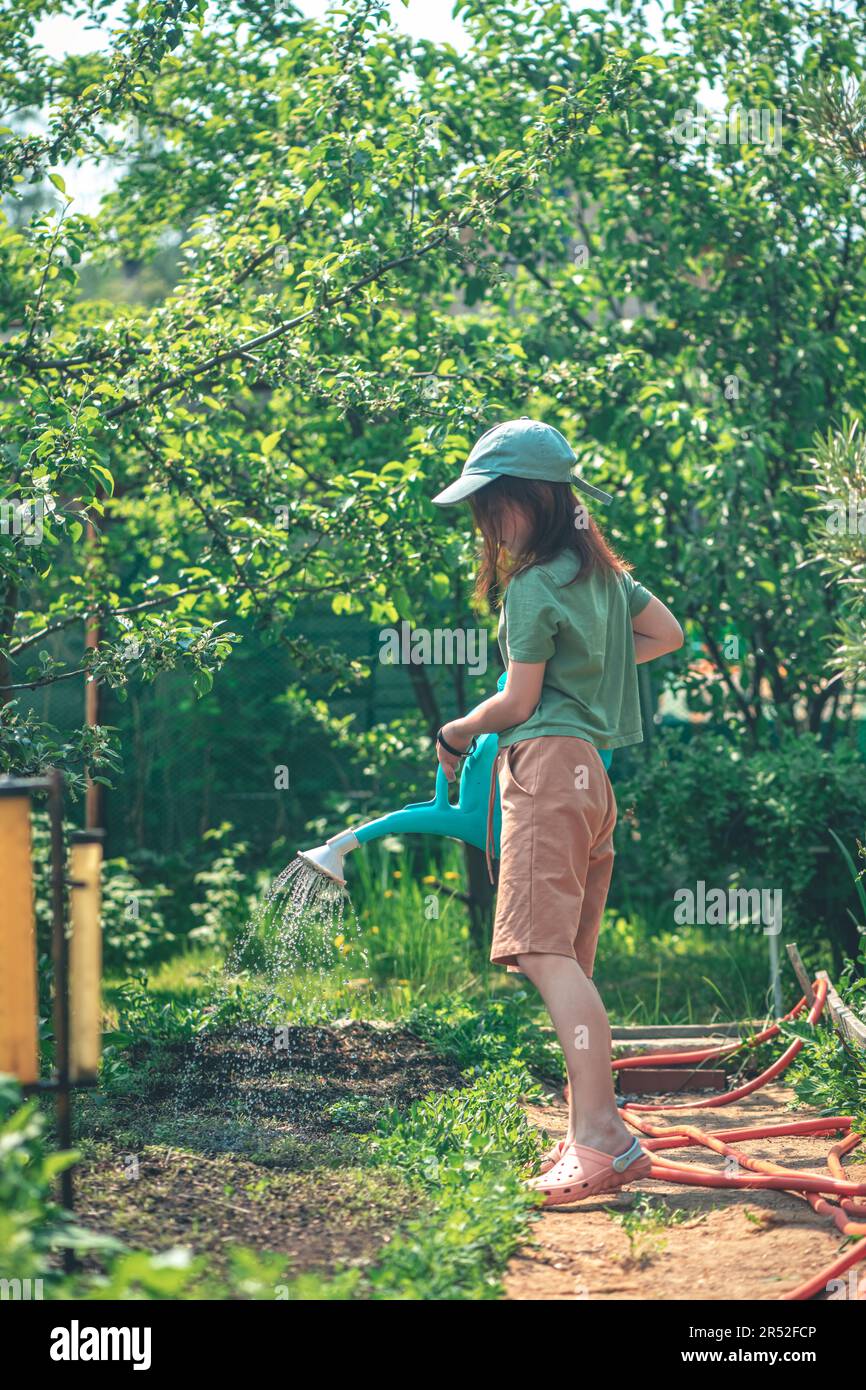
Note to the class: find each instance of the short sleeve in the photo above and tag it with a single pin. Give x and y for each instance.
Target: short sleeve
(638, 597)
(531, 617)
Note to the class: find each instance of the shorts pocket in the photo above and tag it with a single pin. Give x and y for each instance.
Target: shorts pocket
(523, 761)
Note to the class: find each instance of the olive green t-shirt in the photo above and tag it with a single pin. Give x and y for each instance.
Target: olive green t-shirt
(583, 632)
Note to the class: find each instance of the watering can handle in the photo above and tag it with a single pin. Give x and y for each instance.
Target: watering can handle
(441, 787)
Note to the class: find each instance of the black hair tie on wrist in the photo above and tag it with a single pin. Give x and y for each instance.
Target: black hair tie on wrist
(455, 752)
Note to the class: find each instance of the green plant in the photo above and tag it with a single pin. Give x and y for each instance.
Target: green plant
(412, 925)
(225, 908)
(830, 1074)
(857, 876)
(643, 1222)
(464, 1149)
(33, 1227)
(356, 1113)
(764, 821)
(148, 1022)
(490, 1031)
(134, 930)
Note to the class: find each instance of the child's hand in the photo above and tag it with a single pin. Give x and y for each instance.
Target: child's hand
(452, 734)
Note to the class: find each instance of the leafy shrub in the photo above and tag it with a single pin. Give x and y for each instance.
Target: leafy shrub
(465, 1148)
(225, 907)
(708, 809)
(499, 1030)
(829, 1075)
(134, 930)
(34, 1228)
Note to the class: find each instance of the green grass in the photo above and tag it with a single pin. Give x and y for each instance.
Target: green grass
(406, 943)
(656, 973)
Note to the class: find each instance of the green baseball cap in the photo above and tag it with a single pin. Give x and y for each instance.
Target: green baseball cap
(523, 448)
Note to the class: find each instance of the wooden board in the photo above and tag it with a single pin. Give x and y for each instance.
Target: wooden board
(19, 1044)
(845, 1021)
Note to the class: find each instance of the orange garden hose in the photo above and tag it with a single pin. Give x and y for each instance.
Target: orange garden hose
(834, 1196)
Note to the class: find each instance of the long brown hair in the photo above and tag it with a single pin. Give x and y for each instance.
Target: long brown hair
(550, 508)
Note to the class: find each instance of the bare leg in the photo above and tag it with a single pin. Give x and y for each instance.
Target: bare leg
(580, 1020)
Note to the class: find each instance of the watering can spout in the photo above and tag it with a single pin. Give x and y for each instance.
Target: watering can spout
(328, 858)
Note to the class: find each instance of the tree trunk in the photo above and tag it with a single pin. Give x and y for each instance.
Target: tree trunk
(425, 697)
(93, 803)
(480, 893)
(8, 613)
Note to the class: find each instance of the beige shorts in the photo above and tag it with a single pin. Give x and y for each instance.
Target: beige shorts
(556, 849)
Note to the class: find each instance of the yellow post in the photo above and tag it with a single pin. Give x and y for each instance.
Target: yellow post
(85, 956)
(19, 1015)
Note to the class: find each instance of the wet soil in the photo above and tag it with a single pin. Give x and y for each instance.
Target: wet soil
(254, 1138)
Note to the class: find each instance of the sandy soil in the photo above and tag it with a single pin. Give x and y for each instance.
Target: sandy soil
(737, 1245)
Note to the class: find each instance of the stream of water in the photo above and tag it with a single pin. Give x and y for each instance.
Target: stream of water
(238, 1071)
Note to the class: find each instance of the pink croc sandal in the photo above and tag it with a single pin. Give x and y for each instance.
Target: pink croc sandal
(584, 1172)
(552, 1157)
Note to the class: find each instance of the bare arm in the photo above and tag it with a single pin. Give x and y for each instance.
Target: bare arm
(656, 631)
(507, 707)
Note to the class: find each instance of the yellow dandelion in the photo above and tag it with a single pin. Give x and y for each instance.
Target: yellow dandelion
(389, 892)
(450, 874)
(374, 931)
(339, 940)
(398, 873)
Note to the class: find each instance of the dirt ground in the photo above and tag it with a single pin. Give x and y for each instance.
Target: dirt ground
(233, 1142)
(719, 1245)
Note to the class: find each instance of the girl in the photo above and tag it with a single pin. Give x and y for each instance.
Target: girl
(572, 627)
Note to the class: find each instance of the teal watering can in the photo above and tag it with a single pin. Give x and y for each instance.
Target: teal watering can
(465, 819)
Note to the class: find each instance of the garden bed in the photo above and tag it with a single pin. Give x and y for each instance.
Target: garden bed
(227, 1149)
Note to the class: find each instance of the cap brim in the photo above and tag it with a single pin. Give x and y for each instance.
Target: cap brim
(462, 488)
(591, 491)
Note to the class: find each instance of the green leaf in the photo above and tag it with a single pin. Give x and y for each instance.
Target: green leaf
(202, 682)
(103, 473)
(313, 192)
